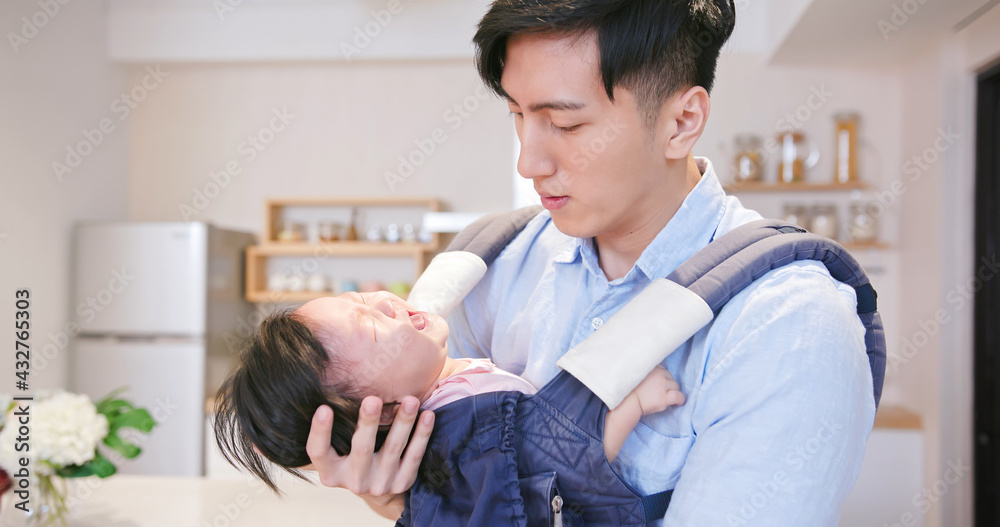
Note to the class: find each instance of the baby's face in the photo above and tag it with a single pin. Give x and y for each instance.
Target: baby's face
(389, 349)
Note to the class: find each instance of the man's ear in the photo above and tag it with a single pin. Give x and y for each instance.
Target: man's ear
(683, 121)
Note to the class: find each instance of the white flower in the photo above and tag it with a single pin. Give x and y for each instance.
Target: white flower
(65, 430)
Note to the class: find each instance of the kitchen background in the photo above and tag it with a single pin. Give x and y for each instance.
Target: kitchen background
(157, 110)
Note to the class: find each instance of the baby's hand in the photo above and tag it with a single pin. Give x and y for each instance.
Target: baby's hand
(658, 391)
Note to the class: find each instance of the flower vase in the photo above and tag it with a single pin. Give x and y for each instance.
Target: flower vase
(46, 508)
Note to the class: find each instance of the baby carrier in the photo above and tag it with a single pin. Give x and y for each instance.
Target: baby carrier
(523, 460)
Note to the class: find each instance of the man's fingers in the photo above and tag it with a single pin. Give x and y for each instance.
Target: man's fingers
(318, 443)
(363, 440)
(322, 455)
(392, 449)
(414, 453)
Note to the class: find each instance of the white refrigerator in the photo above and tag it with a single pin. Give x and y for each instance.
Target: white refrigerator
(161, 311)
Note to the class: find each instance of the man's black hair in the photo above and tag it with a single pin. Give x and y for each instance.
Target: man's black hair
(653, 48)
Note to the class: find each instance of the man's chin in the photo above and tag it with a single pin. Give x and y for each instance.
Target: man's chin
(569, 227)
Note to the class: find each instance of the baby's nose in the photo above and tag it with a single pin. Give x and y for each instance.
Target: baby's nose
(386, 306)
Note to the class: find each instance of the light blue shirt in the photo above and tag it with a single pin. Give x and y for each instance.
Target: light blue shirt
(779, 391)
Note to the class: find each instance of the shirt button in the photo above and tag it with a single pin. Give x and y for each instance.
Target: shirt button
(597, 323)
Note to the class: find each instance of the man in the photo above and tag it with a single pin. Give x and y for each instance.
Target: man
(609, 99)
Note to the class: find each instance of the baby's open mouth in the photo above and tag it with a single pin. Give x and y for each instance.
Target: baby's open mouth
(418, 320)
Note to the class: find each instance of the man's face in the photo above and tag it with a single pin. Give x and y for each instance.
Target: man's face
(595, 166)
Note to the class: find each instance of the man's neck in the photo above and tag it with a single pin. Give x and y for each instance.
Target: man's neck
(618, 252)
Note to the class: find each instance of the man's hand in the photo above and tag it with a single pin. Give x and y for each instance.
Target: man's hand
(380, 478)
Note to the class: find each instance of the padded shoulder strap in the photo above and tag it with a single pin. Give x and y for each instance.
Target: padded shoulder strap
(733, 261)
(705, 283)
(452, 274)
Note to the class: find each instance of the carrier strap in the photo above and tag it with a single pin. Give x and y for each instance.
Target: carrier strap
(655, 505)
(732, 262)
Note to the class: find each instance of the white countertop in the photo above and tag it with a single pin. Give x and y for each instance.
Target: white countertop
(150, 501)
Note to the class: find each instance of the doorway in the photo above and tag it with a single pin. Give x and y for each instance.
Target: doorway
(986, 338)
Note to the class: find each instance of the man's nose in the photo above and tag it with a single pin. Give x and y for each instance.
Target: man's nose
(534, 159)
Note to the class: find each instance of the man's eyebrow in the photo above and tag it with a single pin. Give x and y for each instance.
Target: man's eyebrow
(552, 105)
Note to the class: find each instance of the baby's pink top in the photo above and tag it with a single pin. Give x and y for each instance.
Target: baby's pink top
(481, 376)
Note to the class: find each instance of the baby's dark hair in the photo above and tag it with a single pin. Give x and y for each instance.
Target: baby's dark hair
(269, 400)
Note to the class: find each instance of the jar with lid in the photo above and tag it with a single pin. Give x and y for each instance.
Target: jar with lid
(823, 220)
(862, 226)
(846, 164)
(748, 163)
(795, 213)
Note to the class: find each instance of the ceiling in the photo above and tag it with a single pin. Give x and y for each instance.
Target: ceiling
(860, 33)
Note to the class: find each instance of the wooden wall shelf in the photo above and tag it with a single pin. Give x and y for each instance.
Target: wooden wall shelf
(257, 256)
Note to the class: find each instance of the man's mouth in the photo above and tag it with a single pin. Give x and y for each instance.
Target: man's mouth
(554, 203)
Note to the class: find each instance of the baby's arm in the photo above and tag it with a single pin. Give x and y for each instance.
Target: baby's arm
(657, 392)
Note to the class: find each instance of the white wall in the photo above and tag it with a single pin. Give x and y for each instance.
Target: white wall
(53, 87)
(349, 126)
(937, 248)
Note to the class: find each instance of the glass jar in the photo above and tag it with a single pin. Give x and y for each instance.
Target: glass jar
(392, 233)
(862, 226)
(329, 232)
(846, 164)
(290, 231)
(748, 163)
(795, 213)
(823, 220)
(797, 155)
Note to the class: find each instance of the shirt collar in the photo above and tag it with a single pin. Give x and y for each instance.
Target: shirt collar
(692, 227)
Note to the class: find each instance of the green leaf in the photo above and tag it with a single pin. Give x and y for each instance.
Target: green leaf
(111, 396)
(112, 408)
(99, 466)
(123, 447)
(138, 419)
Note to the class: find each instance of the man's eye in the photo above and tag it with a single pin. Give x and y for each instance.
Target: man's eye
(516, 114)
(568, 129)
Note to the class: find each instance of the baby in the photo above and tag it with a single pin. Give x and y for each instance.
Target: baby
(337, 351)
